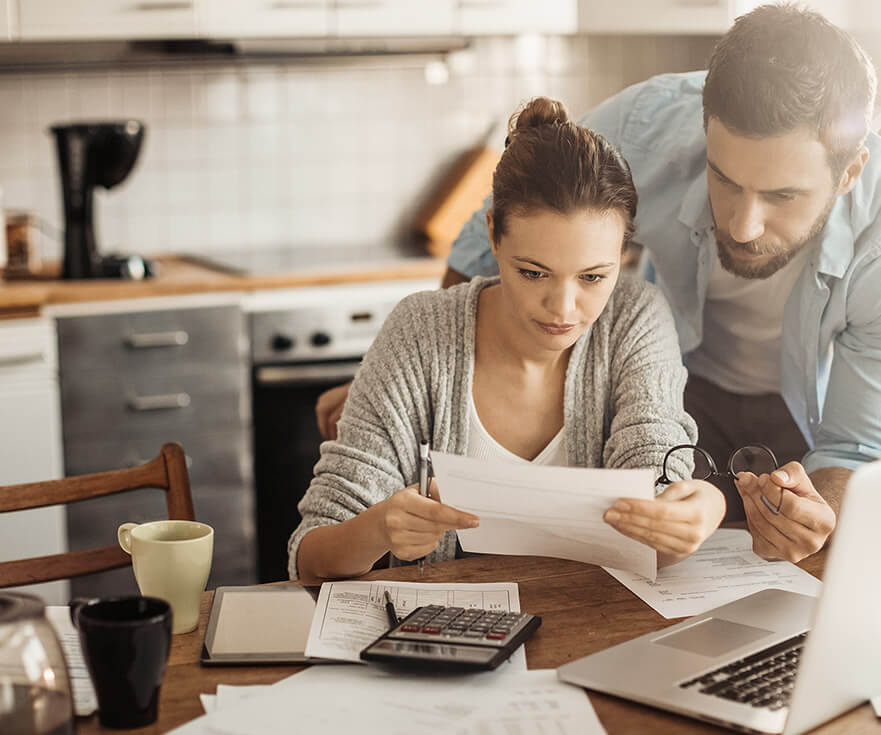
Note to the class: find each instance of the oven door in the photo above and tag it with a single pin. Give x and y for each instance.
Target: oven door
(286, 442)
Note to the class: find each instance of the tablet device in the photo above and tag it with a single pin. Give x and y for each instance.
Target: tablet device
(258, 625)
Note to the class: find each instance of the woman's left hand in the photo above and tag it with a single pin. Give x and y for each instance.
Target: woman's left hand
(675, 523)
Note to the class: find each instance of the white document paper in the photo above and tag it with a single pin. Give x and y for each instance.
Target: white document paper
(84, 700)
(230, 694)
(379, 701)
(876, 705)
(724, 569)
(545, 511)
(351, 615)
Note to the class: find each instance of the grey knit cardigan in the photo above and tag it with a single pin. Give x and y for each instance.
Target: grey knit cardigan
(623, 399)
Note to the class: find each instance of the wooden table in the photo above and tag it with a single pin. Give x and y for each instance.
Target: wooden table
(583, 610)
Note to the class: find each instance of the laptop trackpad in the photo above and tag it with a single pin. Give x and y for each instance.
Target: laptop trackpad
(712, 637)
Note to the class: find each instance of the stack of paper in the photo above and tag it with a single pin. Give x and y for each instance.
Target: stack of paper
(84, 700)
(724, 569)
(375, 701)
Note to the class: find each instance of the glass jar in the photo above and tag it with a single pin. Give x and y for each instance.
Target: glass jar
(35, 692)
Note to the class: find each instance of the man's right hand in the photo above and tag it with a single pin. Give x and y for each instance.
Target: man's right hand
(412, 526)
(329, 408)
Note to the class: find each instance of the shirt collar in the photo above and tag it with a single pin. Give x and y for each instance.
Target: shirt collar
(837, 240)
(695, 211)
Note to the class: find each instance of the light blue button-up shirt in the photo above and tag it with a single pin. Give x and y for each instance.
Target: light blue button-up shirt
(830, 366)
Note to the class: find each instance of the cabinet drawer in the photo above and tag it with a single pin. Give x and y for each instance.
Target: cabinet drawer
(95, 19)
(213, 458)
(148, 342)
(128, 406)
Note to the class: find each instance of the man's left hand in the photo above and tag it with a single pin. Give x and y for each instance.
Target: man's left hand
(803, 523)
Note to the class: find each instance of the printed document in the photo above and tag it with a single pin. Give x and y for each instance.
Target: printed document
(84, 699)
(545, 511)
(351, 615)
(724, 569)
(371, 700)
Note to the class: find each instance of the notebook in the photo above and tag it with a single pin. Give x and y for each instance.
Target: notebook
(258, 625)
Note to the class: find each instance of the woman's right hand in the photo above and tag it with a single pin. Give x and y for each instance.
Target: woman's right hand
(413, 525)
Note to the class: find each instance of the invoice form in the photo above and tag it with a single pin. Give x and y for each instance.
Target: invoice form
(724, 569)
(351, 615)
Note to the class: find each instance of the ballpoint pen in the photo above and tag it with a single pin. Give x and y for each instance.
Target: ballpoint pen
(390, 611)
(423, 486)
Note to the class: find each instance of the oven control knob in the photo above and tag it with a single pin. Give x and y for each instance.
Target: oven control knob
(282, 343)
(320, 339)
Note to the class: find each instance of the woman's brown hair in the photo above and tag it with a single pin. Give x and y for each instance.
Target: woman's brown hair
(551, 163)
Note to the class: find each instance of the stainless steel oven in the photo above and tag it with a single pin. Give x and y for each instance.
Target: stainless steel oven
(303, 342)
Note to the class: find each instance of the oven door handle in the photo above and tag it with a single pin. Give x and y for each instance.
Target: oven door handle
(333, 372)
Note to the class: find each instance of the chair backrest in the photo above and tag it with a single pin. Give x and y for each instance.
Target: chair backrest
(167, 472)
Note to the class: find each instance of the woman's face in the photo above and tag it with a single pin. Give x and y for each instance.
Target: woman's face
(558, 271)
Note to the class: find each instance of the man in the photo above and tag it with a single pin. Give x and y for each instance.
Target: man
(760, 195)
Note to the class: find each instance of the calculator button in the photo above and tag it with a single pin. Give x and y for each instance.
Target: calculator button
(431, 629)
(410, 628)
(496, 636)
(473, 634)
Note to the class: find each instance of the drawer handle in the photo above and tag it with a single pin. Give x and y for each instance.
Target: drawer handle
(298, 5)
(25, 358)
(147, 340)
(149, 7)
(159, 402)
(359, 4)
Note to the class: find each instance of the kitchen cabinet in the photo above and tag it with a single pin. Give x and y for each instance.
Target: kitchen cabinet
(394, 18)
(657, 16)
(707, 16)
(132, 381)
(133, 19)
(494, 17)
(265, 18)
(41, 20)
(30, 442)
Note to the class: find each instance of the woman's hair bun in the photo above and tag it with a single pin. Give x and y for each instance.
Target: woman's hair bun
(535, 113)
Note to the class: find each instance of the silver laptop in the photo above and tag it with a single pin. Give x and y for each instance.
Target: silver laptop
(773, 662)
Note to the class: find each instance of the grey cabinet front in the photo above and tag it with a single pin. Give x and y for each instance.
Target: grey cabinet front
(131, 382)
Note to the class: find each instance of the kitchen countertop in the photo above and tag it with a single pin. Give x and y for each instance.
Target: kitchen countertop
(179, 275)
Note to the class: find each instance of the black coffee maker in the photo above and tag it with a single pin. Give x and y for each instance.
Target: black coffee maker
(89, 155)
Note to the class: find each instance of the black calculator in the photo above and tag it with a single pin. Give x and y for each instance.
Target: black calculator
(436, 636)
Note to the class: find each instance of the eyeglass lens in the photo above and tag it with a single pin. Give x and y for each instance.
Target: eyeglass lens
(753, 459)
(679, 459)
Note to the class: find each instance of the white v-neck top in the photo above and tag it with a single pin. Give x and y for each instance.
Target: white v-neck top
(482, 445)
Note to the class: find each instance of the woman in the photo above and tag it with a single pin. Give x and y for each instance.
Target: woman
(555, 361)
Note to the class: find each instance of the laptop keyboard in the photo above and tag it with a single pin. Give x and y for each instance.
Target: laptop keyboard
(764, 679)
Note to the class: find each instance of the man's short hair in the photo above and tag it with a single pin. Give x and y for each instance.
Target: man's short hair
(782, 67)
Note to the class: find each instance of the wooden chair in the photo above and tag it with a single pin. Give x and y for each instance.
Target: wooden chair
(168, 472)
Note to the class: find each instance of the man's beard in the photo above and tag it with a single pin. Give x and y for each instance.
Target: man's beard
(780, 255)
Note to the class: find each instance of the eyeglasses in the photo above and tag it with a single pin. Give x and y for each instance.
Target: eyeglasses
(755, 458)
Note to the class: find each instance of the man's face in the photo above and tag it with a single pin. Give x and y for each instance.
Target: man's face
(769, 196)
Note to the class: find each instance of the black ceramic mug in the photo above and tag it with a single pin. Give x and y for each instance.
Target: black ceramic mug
(125, 642)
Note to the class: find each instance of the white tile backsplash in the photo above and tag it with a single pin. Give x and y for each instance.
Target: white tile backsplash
(299, 154)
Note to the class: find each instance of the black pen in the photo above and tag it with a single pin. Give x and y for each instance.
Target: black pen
(390, 610)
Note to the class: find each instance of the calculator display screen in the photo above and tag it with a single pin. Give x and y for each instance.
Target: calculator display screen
(438, 651)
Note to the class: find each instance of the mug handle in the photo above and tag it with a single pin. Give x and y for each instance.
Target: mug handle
(75, 605)
(124, 535)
